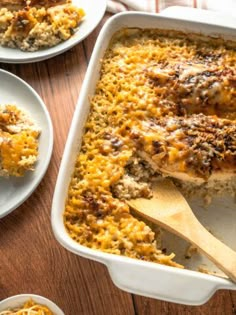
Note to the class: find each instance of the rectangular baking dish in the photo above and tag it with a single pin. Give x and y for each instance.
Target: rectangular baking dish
(136, 276)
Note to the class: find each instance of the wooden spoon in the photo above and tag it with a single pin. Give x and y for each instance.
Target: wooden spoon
(169, 209)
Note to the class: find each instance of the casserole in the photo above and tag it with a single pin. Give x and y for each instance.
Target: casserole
(93, 17)
(132, 275)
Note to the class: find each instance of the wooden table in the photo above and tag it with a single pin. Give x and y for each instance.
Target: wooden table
(31, 260)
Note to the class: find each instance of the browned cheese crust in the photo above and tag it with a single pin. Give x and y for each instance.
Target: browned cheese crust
(197, 145)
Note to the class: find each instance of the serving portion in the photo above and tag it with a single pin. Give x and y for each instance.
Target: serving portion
(26, 140)
(44, 29)
(29, 304)
(164, 105)
(33, 25)
(19, 141)
(29, 307)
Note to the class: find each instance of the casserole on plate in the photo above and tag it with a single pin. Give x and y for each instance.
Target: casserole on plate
(93, 17)
(17, 301)
(138, 276)
(15, 190)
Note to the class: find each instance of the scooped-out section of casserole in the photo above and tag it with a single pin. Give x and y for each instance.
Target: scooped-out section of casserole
(164, 106)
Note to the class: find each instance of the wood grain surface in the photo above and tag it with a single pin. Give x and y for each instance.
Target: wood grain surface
(31, 260)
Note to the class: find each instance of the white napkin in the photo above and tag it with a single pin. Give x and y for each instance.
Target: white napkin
(226, 6)
(116, 6)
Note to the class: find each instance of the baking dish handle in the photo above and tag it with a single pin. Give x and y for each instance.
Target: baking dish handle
(166, 283)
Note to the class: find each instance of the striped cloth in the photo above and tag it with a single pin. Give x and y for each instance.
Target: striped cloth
(223, 6)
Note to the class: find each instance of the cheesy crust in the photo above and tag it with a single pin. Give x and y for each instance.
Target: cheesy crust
(190, 148)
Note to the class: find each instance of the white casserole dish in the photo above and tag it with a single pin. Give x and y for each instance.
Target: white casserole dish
(139, 277)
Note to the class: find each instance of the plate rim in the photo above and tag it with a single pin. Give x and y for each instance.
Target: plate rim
(47, 158)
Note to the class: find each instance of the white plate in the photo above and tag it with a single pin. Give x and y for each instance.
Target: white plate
(20, 299)
(94, 14)
(15, 190)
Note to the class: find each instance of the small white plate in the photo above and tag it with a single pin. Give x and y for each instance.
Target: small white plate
(20, 299)
(94, 12)
(15, 190)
